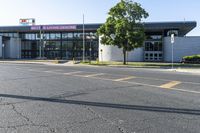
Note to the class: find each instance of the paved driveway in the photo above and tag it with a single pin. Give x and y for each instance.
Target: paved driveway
(41, 98)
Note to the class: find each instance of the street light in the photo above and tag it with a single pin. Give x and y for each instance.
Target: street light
(44, 44)
(3, 45)
(172, 42)
(40, 48)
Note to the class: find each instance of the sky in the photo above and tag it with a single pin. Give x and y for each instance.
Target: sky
(95, 11)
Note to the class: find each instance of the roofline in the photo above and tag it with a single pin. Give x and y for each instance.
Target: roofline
(183, 26)
(159, 22)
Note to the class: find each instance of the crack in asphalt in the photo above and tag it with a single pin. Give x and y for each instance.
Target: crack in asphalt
(28, 120)
(20, 114)
(33, 77)
(120, 128)
(22, 125)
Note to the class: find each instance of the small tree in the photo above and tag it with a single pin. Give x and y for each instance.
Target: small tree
(123, 27)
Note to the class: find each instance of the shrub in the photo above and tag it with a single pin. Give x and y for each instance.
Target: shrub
(191, 59)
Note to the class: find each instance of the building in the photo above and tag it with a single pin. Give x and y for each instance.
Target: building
(66, 42)
(50, 41)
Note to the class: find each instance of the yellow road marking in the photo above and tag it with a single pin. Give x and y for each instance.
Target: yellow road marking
(126, 78)
(93, 75)
(170, 84)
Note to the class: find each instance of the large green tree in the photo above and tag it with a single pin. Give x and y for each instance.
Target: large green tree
(123, 27)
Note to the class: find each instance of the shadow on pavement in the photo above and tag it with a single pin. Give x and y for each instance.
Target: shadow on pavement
(108, 105)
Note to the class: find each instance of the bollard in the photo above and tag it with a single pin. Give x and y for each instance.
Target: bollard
(74, 61)
(97, 61)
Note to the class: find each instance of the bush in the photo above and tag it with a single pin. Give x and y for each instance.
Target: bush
(191, 59)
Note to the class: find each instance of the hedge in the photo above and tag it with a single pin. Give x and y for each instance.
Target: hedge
(192, 59)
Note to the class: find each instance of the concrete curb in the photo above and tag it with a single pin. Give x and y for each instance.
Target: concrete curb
(195, 71)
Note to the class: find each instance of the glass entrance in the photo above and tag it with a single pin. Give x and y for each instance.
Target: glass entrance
(153, 51)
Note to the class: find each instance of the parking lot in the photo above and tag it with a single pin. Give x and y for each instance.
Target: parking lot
(42, 98)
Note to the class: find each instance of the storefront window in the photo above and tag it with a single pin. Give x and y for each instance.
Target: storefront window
(153, 46)
(67, 45)
(64, 35)
(53, 45)
(55, 36)
(70, 35)
(29, 37)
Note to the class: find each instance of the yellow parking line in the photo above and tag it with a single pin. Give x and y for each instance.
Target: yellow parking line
(126, 78)
(93, 75)
(170, 84)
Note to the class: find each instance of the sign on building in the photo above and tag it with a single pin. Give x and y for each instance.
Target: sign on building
(172, 38)
(27, 21)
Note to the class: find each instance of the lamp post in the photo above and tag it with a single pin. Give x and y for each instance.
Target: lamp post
(83, 38)
(40, 48)
(44, 44)
(172, 42)
(90, 49)
(3, 45)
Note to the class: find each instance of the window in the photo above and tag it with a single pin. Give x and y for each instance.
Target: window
(53, 45)
(153, 46)
(70, 35)
(64, 35)
(154, 37)
(46, 36)
(67, 45)
(55, 36)
(29, 36)
(78, 35)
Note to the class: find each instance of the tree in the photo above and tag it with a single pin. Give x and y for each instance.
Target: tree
(123, 27)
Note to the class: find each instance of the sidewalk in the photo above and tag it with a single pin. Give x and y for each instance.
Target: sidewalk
(189, 70)
(192, 70)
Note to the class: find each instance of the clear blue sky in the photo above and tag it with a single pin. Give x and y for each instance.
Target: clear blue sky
(70, 11)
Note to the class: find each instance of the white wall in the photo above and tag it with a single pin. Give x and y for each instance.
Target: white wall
(136, 55)
(183, 46)
(13, 48)
(113, 53)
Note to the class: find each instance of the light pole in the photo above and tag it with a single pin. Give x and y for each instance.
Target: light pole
(83, 38)
(172, 42)
(44, 44)
(40, 48)
(3, 45)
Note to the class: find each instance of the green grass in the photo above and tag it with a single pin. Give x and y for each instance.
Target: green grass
(141, 64)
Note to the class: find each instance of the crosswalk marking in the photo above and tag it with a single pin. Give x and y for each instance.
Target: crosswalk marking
(170, 84)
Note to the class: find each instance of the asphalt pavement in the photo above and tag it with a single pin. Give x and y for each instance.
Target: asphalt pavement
(40, 98)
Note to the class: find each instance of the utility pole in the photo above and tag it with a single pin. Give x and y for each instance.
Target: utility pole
(172, 42)
(83, 38)
(40, 49)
